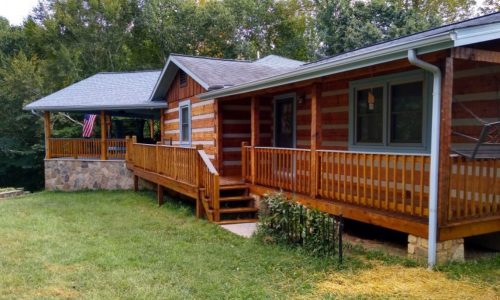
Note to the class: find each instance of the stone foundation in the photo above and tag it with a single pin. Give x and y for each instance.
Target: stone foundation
(452, 250)
(75, 174)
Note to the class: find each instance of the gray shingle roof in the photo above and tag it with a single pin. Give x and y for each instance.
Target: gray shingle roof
(103, 91)
(216, 73)
(223, 72)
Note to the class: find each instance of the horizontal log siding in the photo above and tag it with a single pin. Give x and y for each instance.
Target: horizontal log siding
(202, 116)
(235, 130)
(478, 89)
(334, 102)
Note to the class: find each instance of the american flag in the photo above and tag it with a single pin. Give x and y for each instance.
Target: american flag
(88, 125)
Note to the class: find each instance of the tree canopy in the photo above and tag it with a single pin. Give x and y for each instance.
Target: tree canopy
(62, 42)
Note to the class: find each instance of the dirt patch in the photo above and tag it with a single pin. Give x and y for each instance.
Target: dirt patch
(58, 268)
(401, 282)
(59, 292)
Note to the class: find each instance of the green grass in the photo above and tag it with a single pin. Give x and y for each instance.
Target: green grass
(480, 270)
(121, 245)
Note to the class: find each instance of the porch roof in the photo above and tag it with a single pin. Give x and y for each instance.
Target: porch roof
(122, 92)
(467, 32)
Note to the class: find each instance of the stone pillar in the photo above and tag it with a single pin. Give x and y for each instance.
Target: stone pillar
(452, 250)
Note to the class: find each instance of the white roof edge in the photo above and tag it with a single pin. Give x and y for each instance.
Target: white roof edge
(190, 73)
(171, 59)
(97, 107)
(448, 39)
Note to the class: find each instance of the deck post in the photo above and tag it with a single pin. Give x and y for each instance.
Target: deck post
(254, 134)
(159, 194)
(47, 129)
(198, 166)
(244, 160)
(103, 136)
(315, 138)
(136, 183)
(218, 137)
(444, 149)
(127, 148)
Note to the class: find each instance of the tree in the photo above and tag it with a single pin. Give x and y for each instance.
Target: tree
(344, 25)
(448, 10)
(489, 6)
(21, 164)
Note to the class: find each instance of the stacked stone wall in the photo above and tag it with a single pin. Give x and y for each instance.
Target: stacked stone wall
(74, 175)
(452, 250)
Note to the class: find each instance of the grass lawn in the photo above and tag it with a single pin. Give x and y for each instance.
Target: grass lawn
(116, 245)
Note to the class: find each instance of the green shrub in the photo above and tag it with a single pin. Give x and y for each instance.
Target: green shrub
(288, 222)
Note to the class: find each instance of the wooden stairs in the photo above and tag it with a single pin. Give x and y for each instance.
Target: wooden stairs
(235, 204)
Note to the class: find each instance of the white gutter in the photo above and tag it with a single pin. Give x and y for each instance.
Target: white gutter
(434, 168)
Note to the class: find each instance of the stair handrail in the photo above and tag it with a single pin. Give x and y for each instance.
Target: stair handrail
(209, 181)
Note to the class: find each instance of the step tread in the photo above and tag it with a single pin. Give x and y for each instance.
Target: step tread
(237, 221)
(236, 198)
(238, 210)
(233, 187)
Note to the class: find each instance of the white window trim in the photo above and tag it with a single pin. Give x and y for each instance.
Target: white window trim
(182, 105)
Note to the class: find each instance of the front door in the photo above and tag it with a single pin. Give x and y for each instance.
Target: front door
(285, 123)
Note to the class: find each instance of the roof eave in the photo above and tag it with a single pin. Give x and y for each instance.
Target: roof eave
(166, 82)
(97, 107)
(426, 45)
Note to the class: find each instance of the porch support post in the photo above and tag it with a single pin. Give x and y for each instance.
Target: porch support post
(103, 136)
(254, 134)
(162, 120)
(218, 137)
(444, 149)
(315, 138)
(47, 129)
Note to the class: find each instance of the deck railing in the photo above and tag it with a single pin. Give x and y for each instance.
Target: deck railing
(85, 148)
(209, 184)
(285, 168)
(474, 189)
(390, 182)
(185, 165)
(176, 163)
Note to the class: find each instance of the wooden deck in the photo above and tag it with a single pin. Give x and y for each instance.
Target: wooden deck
(384, 189)
(388, 190)
(187, 170)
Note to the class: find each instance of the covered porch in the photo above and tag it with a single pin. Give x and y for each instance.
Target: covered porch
(310, 140)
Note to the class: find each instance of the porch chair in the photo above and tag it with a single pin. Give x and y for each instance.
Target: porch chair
(487, 145)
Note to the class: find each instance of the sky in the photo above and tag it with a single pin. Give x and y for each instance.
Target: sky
(17, 10)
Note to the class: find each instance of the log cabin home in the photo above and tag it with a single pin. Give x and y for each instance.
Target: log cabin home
(404, 134)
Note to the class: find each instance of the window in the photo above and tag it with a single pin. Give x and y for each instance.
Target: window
(182, 78)
(185, 124)
(390, 112)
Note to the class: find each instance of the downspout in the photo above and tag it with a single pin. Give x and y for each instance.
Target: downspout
(434, 167)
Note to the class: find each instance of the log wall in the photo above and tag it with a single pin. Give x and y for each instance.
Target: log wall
(203, 118)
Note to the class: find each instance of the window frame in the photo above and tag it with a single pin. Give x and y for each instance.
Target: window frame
(185, 105)
(386, 82)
